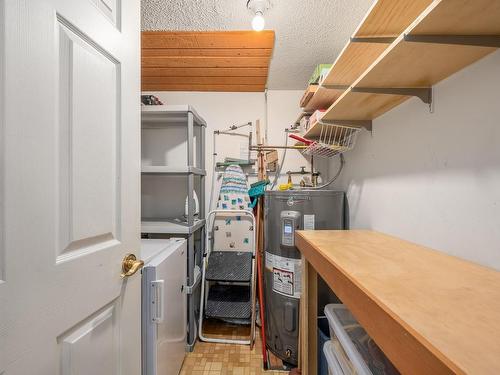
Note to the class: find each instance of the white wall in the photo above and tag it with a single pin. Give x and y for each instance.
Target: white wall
(434, 179)
(283, 109)
(223, 109)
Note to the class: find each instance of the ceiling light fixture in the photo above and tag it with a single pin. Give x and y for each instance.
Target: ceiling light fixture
(258, 7)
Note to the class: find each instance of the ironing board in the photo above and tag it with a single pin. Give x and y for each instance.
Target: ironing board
(234, 190)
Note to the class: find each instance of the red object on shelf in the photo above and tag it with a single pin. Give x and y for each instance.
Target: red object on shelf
(307, 142)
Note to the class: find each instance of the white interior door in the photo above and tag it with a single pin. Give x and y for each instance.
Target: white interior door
(69, 186)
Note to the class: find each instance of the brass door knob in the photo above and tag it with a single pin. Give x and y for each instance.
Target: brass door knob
(131, 265)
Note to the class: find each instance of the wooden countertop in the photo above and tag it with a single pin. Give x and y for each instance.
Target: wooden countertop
(431, 313)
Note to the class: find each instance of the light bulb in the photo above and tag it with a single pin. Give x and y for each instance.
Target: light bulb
(258, 22)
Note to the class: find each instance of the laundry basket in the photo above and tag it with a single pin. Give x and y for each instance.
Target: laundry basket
(355, 351)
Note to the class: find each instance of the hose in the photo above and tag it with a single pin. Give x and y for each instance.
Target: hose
(214, 172)
(328, 183)
(341, 167)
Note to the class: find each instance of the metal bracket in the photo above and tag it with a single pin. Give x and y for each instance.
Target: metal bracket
(465, 40)
(374, 39)
(423, 93)
(336, 87)
(367, 124)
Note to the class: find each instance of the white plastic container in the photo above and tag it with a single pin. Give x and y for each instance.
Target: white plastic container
(333, 363)
(348, 338)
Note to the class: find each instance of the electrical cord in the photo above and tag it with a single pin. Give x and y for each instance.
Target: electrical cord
(278, 171)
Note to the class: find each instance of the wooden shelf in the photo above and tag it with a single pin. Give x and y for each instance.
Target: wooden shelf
(410, 64)
(362, 106)
(312, 133)
(354, 59)
(322, 99)
(386, 19)
(429, 312)
(308, 93)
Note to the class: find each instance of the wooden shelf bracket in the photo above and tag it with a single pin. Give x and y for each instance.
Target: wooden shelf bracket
(423, 93)
(374, 39)
(465, 40)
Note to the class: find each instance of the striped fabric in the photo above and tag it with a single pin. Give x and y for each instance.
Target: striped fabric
(234, 190)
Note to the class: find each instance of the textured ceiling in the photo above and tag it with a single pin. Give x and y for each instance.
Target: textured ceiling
(308, 32)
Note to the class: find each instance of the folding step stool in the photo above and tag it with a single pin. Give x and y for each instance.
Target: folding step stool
(228, 268)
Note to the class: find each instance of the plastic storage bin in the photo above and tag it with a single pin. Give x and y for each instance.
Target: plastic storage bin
(356, 352)
(323, 337)
(331, 358)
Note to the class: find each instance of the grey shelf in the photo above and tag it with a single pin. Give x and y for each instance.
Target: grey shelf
(162, 115)
(174, 171)
(169, 226)
(184, 116)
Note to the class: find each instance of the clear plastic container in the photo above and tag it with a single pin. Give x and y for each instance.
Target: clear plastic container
(356, 352)
(333, 363)
(323, 337)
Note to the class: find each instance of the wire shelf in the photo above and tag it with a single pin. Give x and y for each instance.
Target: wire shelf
(334, 139)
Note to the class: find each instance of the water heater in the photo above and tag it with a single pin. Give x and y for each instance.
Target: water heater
(285, 213)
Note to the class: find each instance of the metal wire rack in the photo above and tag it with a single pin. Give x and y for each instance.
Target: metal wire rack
(334, 139)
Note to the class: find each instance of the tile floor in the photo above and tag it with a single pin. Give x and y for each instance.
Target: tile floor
(225, 359)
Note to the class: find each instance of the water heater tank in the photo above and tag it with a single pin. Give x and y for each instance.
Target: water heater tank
(286, 212)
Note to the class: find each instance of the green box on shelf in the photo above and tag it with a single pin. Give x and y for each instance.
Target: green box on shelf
(319, 71)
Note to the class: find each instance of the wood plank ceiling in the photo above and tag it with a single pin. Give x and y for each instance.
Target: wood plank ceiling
(206, 61)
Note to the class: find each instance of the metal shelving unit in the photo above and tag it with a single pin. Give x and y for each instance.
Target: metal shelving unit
(192, 228)
(175, 171)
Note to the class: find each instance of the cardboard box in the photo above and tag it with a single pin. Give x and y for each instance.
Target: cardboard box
(271, 156)
(308, 94)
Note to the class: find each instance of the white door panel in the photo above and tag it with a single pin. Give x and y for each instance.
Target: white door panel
(89, 138)
(87, 340)
(2, 147)
(69, 196)
(111, 9)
